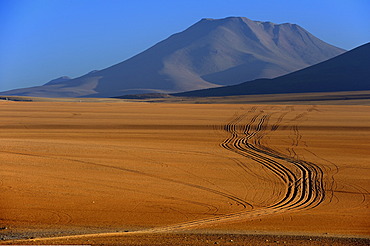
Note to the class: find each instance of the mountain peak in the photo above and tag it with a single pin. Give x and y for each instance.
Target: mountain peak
(240, 18)
(210, 53)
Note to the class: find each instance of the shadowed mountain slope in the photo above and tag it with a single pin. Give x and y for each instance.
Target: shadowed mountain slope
(347, 72)
(210, 53)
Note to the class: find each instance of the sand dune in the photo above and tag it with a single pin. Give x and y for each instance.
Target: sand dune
(103, 169)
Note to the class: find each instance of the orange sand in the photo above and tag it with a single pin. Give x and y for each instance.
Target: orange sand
(137, 166)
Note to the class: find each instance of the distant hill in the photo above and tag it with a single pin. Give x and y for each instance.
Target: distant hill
(210, 53)
(347, 72)
(58, 80)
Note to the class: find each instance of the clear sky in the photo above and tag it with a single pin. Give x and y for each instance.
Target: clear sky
(41, 40)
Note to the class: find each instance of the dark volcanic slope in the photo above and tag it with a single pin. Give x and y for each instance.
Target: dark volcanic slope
(347, 72)
(208, 54)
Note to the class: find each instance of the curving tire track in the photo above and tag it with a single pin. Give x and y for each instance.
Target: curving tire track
(304, 189)
(303, 180)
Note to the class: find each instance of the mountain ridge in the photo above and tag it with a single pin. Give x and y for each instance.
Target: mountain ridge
(210, 53)
(346, 72)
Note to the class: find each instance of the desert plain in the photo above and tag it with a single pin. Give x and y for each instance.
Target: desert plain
(196, 174)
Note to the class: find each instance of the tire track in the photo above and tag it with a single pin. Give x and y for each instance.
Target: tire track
(303, 180)
(305, 189)
(234, 198)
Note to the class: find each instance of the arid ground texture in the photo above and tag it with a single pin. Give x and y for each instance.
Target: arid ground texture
(133, 171)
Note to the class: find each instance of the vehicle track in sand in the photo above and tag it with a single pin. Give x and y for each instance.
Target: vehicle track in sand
(302, 181)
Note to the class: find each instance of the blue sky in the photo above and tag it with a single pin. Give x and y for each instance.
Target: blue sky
(41, 40)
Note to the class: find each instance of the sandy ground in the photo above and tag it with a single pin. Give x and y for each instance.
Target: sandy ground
(316, 98)
(133, 171)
